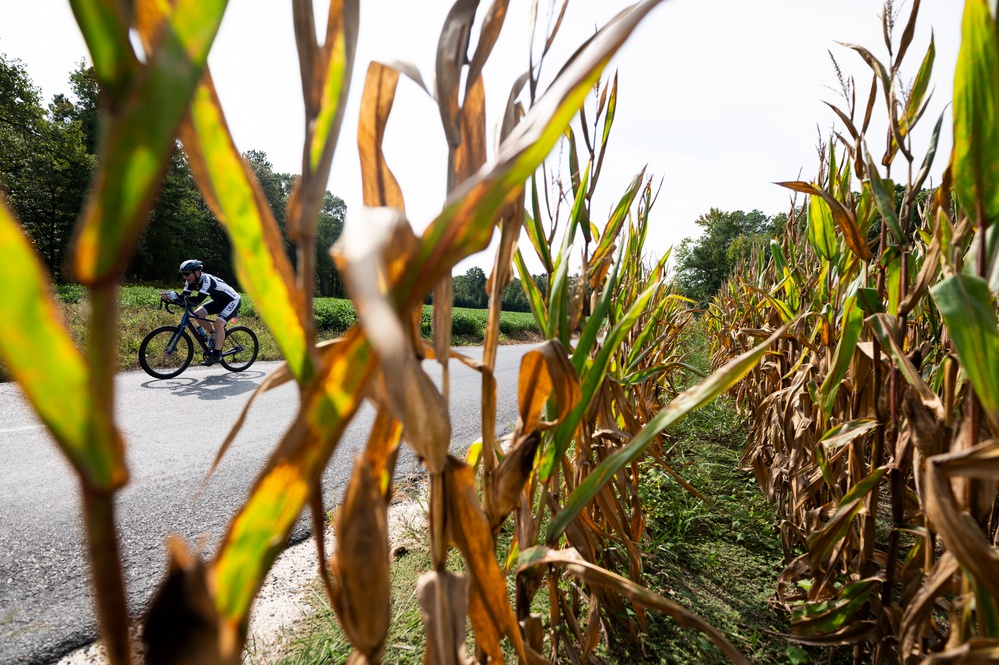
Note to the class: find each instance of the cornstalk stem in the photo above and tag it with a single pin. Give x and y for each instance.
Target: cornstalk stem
(98, 503)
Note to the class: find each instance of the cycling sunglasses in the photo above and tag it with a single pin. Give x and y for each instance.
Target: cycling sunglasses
(185, 274)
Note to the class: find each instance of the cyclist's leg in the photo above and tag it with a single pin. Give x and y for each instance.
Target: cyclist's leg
(228, 312)
(200, 321)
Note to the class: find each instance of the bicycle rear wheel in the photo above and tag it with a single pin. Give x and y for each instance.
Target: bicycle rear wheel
(165, 352)
(239, 349)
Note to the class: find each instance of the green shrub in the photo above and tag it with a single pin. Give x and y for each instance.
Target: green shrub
(71, 294)
(465, 323)
(334, 314)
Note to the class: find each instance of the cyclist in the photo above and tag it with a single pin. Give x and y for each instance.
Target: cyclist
(224, 301)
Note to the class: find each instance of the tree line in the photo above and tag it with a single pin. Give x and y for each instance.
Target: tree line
(704, 263)
(470, 291)
(49, 153)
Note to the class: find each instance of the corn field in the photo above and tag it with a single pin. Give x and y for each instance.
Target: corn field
(875, 416)
(867, 361)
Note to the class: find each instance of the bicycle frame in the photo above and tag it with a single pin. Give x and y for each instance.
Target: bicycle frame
(186, 322)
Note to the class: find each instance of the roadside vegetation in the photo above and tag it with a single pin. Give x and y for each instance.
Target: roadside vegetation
(139, 312)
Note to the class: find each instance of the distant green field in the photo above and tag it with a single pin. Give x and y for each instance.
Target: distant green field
(140, 312)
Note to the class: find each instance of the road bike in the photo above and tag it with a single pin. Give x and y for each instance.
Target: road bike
(167, 351)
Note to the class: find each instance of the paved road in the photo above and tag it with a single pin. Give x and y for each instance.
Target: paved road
(172, 429)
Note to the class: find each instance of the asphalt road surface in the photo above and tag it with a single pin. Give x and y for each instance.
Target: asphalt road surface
(172, 430)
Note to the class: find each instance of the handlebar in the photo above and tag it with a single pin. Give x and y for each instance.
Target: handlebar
(185, 302)
(165, 304)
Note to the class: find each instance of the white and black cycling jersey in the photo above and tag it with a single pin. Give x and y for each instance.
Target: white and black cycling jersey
(209, 286)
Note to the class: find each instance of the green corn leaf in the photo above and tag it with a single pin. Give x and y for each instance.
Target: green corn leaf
(642, 345)
(968, 309)
(852, 325)
(976, 107)
(596, 319)
(106, 34)
(919, 88)
(578, 189)
(821, 542)
(914, 106)
(534, 296)
(785, 312)
(869, 300)
(827, 616)
(616, 221)
(40, 355)
(843, 434)
(892, 261)
(777, 252)
(609, 117)
(636, 378)
(137, 146)
(532, 224)
(820, 228)
(591, 378)
(691, 399)
(884, 198)
(866, 209)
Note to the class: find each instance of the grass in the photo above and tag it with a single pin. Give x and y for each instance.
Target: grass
(140, 312)
(720, 559)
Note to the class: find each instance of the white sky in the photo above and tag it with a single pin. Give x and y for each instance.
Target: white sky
(720, 98)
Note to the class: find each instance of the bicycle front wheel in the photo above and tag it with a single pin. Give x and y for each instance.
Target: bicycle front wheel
(239, 349)
(166, 352)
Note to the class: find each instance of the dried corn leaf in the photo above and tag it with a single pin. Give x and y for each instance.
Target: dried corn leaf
(442, 598)
(470, 531)
(360, 563)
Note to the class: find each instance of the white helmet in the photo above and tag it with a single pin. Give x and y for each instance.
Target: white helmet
(191, 265)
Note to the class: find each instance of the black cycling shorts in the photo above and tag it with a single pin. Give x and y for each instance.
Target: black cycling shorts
(224, 310)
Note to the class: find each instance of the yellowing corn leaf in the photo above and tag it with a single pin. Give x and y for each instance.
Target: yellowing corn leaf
(326, 82)
(259, 530)
(232, 192)
(40, 355)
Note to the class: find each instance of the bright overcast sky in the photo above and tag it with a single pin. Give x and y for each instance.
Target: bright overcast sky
(720, 98)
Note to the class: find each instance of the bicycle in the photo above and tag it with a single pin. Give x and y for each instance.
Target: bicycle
(167, 351)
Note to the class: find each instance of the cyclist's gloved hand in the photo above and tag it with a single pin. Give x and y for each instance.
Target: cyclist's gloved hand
(165, 295)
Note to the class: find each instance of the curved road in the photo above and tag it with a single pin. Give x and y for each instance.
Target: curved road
(172, 429)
